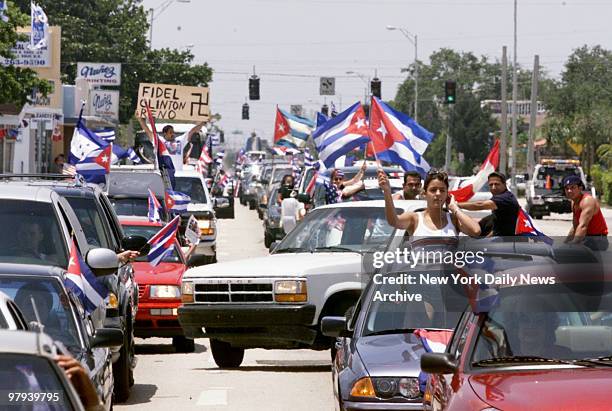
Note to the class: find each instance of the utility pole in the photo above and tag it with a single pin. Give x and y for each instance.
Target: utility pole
(504, 113)
(416, 81)
(151, 11)
(514, 96)
(534, 108)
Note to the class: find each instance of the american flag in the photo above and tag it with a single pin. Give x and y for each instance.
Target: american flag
(204, 160)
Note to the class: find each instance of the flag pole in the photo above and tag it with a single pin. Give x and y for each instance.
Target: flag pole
(370, 125)
(154, 131)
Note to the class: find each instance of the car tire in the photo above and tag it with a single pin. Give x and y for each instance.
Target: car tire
(268, 240)
(122, 369)
(251, 205)
(183, 344)
(225, 355)
(242, 200)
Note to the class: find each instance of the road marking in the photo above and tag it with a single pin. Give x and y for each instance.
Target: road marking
(214, 397)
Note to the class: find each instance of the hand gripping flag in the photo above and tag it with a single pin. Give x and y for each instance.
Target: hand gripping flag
(290, 130)
(83, 283)
(96, 165)
(176, 202)
(154, 213)
(480, 179)
(162, 243)
(525, 226)
(341, 134)
(433, 341)
(397, 138)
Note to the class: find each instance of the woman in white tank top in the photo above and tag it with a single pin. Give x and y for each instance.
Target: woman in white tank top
(434, 221)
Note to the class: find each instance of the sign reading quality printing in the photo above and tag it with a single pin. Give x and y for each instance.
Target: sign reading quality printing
(104, 74)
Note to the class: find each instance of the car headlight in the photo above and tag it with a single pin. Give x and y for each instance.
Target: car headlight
(207, 227)
(290, 291)
(187, 292)
(389, 387)
(363, 388)
(164, 291)
(112, 301)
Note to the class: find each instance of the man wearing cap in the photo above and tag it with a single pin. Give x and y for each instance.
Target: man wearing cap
(589, 225)
(503, 204)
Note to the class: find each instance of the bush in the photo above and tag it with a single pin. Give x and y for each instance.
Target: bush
(602, 180)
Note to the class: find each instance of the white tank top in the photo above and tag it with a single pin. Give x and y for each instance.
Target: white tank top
(449, 230)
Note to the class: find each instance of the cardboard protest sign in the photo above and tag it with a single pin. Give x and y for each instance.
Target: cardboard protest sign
(171, 102)
(192, 231)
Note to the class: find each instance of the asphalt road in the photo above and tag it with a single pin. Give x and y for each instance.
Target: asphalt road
(267, 379)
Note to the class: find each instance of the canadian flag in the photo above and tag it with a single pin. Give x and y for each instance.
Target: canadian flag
(490, 165)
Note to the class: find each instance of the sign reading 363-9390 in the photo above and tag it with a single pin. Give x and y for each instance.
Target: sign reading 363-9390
(172, 102)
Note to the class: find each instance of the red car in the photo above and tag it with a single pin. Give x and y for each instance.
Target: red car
(545, 346)
(159, 289)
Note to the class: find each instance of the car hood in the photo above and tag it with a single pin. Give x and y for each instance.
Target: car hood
(392, 355)
(282, 265)
(199, 207)
(573, 388)
(164, 273)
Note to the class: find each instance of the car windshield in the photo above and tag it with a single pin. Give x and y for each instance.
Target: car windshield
(395, 309)
(339, 229)
(192, 186)
(130, 183)
(554, 176)
(36, 236)
(51, 302)
(135, 206)
(148, 232)
(21, 373)
(91, 221)
(279, 173)
(570, 321)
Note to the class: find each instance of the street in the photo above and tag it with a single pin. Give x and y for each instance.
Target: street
(268, 379)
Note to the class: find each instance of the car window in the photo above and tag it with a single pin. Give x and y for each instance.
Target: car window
(129, 183)
(92, 221)
(3, 321)
(36, 235)
(192, 186)
(148, 232)
(52, 305)
(22, 373)
(17, 316)
(113, 223)
(135, 206)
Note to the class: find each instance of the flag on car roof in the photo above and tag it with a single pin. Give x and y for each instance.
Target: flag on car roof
(162, 243)
(176, 201)
(341, 134)
(83, 283)
(475, 183)
(526, 227)
(155, 209)
(397, 138)
(291, 130)
(96, 165)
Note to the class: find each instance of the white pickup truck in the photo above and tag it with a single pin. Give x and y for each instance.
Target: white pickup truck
(278, 301)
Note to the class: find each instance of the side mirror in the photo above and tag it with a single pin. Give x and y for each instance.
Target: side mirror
(334, 327)
(438, 363)
(135, 243)
(304, 198)
(273, 246)
(102, 261)
(107, 338)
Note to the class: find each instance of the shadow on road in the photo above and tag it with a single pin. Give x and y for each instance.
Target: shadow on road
(278, 366)
(152, 349)
(141, 394)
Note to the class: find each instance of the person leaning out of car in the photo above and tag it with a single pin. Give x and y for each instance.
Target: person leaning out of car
(504, 207)
(411, 189)
(435, 221)
(589, 225)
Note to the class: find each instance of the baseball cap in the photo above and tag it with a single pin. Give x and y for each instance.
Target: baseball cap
(574, 179)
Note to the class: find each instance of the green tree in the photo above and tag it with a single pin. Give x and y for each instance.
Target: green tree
(18, 83)
(115, 31)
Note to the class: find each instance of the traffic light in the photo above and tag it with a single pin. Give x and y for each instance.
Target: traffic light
(450, 91)
(325, 110)
(253, 87)
(245, 111)
(375, 87)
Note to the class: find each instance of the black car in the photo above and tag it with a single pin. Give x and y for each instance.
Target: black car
(41, 294)
(272, 218)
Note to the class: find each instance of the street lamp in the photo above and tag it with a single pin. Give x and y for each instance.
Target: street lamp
(366, 80)
(161, 8)
(413, 39)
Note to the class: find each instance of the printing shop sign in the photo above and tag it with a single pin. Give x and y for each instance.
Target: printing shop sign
(105, 104)
(172, 102)
(101, 74)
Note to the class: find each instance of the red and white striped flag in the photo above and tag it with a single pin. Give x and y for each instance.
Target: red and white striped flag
(490, 165)
(204, 160)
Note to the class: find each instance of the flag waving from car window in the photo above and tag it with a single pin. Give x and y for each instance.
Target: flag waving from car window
(83, 283)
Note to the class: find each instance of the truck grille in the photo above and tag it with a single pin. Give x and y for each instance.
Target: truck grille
(234, 291)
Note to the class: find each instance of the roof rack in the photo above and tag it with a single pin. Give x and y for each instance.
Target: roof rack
(77, 178)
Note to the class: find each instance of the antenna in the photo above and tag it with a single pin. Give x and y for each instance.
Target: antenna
(39, 323)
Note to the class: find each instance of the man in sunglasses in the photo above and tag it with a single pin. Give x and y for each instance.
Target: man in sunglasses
(503, 204)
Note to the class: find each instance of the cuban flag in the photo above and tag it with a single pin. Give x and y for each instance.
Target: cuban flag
(341, 134)
(308, 158)
(118, 153)
(397, 138)
(83, 283)
(106, 134)
(475, 183)
(163, 159)
(433, 341)
(290, 130)
(162, 243)
(155, 209)
(176, 202)
(525, 226)
(84, 141)
(223, 180)
(133, 156)
(39, 35)
(96, 165)
(321, 119)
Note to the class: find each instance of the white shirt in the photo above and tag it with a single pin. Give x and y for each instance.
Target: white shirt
(289, 209)
(449, 230)
(176, 148)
